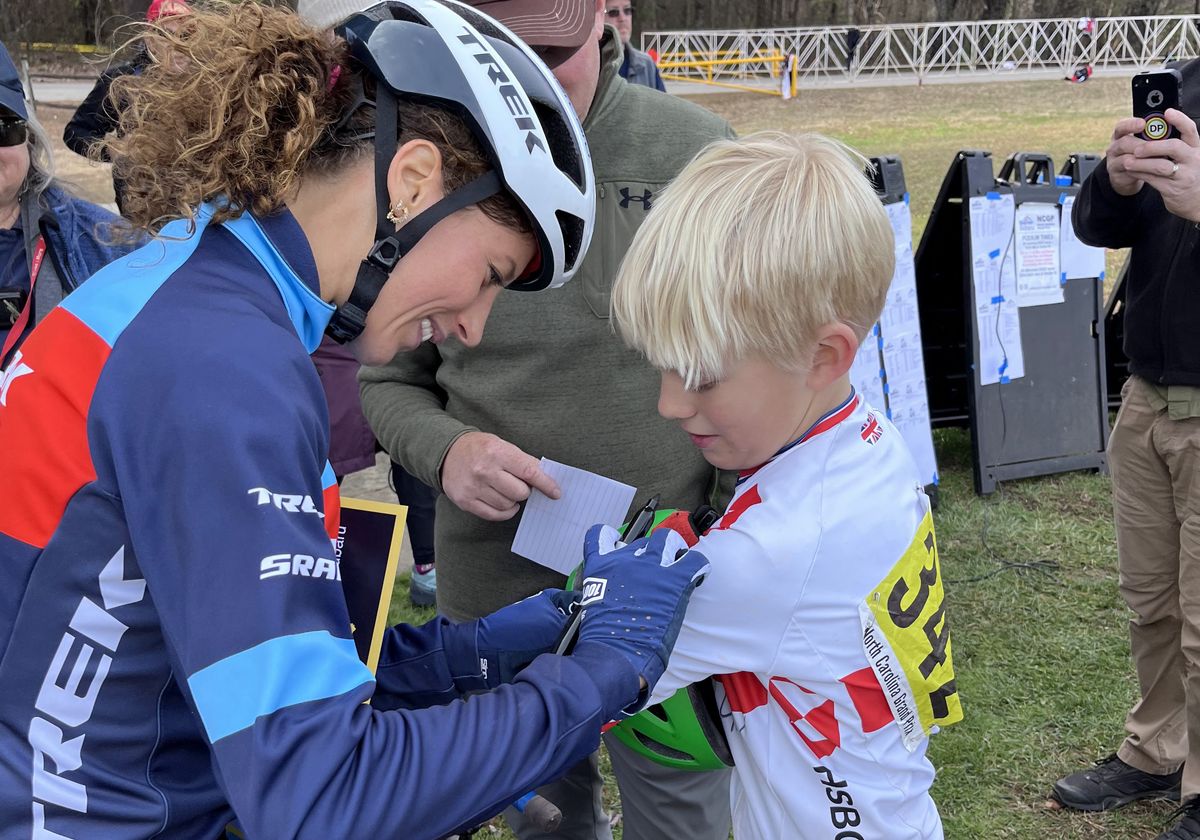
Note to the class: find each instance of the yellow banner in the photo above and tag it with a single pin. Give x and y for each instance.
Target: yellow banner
(904, 624)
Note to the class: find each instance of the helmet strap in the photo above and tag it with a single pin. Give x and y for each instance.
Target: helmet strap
(392, 245)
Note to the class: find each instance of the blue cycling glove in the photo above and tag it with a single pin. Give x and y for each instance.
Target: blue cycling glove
(634, 599)
(491, 651)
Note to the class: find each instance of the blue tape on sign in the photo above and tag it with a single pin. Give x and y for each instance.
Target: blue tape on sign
(876, 330)
(936, 480)
(886, 389)
(998, 299)
(992, 196)
(889, 414)
(1003, 367)
(1101, 276)
(1004, 380)
(1062, 281)
(1062, 198)
(906, 199)
(882, 374)
(993, 254)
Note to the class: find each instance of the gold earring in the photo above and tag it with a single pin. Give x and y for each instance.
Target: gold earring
(391, 213)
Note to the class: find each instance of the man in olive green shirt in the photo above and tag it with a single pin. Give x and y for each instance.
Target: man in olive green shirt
(552, 379)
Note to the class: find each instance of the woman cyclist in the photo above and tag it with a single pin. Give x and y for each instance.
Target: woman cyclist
(175, 650)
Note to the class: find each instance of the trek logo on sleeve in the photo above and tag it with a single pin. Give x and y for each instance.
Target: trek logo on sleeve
(906, 637)
(300, 565)
(287, 502)
(66, 699)
(593, 590)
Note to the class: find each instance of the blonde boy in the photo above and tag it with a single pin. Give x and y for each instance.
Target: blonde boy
(750, 286)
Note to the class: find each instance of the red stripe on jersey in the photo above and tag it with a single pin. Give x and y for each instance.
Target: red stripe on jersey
(332, 496)
(43, 426)
(826, 423)
(830, 420)
(744, 690)
(740, 505)
(869, 700)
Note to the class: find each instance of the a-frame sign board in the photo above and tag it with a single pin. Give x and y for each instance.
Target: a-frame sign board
(1029, 380)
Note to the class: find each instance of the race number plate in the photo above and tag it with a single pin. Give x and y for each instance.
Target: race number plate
(907, 639)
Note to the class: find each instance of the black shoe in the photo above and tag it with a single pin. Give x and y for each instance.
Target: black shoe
(1112, 784)
(1188, 827)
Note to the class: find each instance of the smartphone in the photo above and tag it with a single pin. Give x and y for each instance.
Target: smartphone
(1153, 94)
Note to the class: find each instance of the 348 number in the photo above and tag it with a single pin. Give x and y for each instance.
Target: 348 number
(936, 627)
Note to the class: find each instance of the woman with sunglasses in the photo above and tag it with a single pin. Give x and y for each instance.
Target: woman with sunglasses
(175, 648)
(50, 241)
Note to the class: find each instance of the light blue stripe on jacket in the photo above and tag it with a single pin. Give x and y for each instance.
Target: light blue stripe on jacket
(234, 692)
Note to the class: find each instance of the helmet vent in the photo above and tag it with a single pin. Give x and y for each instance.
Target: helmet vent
(572, 234)
(662, 749)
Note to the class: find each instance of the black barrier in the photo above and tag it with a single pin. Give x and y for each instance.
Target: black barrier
(1027, 380)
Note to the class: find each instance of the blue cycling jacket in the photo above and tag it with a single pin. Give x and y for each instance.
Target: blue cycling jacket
(175, 649)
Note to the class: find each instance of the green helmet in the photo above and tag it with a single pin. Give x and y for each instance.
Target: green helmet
(685, 730)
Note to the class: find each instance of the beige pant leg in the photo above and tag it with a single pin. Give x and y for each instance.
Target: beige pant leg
(1178, 441)
(1148, 559)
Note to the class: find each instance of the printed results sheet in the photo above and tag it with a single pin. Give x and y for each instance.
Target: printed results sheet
(994, 274)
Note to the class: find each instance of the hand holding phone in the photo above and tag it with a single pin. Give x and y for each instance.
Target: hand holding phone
(1153, 94)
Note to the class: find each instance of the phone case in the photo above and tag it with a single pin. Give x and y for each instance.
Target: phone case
(1153, 94)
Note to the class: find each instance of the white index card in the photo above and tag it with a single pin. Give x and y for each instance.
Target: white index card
(551, 532)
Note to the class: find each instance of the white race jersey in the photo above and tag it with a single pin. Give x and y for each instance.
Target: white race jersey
(823, 618)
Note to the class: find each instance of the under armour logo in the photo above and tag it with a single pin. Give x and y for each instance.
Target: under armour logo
(16, 369)
(644, 198)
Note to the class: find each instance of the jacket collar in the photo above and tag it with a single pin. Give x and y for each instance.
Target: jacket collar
(611, 85)
(281, 248)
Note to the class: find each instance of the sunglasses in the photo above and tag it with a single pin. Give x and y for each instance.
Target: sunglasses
(622, 11)
(13, 132)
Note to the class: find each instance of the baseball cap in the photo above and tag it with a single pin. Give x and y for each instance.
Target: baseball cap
(543, 23)
(539, 23)
(326, 13)
(12, 94)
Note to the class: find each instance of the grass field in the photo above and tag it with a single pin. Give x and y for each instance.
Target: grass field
(1038, 627)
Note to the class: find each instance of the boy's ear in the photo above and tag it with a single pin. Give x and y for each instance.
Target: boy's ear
(836, 347)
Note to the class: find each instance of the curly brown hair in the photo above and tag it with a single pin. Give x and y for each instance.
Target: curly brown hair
(236, 106)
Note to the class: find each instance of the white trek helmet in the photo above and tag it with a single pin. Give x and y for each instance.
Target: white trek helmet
(448, 54)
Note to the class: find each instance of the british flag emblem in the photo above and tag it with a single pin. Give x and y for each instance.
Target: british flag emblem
(871, 431)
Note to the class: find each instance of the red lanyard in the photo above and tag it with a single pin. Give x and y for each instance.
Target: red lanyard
(39, 254)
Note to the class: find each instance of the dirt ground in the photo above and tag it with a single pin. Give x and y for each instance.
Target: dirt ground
(89, 180)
